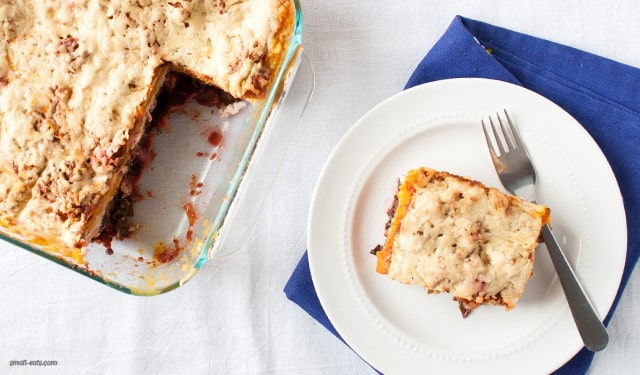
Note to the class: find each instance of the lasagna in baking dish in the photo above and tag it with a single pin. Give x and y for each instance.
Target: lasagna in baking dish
(78, 81)
(451, 234)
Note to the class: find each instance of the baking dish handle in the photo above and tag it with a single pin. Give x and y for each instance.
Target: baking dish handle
(266, 162)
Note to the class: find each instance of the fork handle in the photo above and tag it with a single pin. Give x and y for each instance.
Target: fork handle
(593, 333)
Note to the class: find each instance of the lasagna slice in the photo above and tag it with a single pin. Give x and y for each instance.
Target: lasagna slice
(79, 80)
(454, 235)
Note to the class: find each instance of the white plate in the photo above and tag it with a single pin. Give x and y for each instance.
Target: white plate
(399, 328)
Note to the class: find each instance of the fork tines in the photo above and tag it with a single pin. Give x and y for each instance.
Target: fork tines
(506, 138)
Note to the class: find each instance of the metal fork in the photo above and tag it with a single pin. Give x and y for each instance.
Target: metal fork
(517, 175)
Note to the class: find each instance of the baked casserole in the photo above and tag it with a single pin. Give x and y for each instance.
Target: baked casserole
(78, 82)
(451, 234)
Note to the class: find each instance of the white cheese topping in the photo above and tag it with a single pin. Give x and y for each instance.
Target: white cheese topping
(459, 237)
(77, 78)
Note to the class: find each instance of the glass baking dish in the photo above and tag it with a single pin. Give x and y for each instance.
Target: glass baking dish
(205, 164)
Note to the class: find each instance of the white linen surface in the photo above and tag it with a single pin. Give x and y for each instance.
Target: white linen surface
(233, 316)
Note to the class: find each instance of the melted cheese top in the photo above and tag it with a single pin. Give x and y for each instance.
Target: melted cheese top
(460, 237)
(77, 78)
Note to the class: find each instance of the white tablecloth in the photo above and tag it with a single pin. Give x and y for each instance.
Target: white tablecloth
(233, 316)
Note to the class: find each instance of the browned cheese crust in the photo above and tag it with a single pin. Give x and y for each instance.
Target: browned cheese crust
(455, 235)
(78, 80)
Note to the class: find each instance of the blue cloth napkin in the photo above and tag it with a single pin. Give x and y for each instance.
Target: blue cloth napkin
(603, 95)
